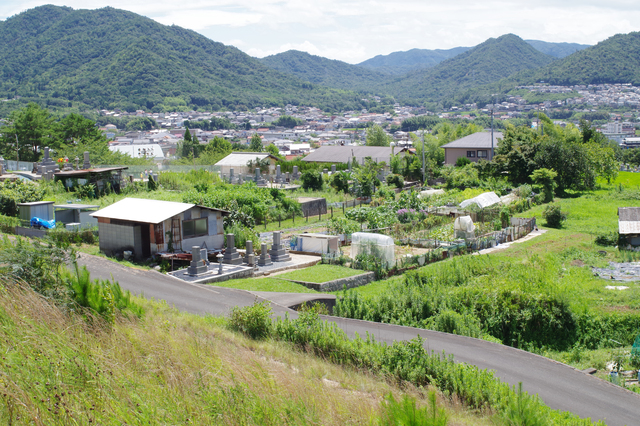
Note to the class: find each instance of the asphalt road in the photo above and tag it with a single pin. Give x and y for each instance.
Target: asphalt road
(558, 385)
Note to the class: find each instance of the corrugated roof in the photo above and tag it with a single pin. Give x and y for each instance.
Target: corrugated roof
(240, 159)
(145, 211)
(342, 154)
(483, 200)
(629, 220)
(476, 140)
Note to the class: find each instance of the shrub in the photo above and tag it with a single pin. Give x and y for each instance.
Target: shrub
(607, 239)
(19, 191)
(252, 321)
(554, 215)
(8, 224)
(405, 412)
(242, 234)
(311, 180)
(395, 180)
(462, 161)
(340, 181)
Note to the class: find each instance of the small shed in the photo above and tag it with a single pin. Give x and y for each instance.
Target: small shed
(381, 246)
(318, 243)
(147, 227)
(103, 178)
(40, 209)
(629, 224)
(76, 215)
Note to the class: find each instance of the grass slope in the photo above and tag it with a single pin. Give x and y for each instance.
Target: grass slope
(170, 368)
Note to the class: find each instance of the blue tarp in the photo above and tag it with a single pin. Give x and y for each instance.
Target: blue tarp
(36, 222)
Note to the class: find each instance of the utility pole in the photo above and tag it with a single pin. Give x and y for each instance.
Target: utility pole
(423, 175)
(493, 105)
(17, 152)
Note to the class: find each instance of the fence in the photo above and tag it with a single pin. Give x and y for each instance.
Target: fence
(23, 166)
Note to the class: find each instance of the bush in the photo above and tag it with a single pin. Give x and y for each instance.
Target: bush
(608, 239)
(8, 224)
(242, 234)
(340, 181)
(395, 180)
(252, 321)
(20, 191)
(462, 161)
(554, 216)
(311, 180)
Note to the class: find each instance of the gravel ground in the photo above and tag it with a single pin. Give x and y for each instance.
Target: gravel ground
(624, 272)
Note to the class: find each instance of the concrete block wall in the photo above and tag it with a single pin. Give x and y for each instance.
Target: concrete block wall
(119, 237)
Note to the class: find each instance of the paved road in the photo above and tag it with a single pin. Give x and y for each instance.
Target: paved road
(560, 386)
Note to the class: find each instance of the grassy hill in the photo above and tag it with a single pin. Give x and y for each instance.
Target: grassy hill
(110, 58)
(327, 72)
(488, 62)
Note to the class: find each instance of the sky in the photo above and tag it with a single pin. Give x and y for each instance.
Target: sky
(356, 30)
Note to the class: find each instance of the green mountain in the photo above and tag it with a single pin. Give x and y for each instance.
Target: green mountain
(398, 63)
(557, 50)
(614, 60)
(110, 58)
(327, 72)
(488, 62)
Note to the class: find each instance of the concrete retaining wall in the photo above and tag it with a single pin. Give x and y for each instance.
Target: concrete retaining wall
(31, 232)
(340, 283)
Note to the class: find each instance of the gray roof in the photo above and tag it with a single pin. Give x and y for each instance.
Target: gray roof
(342, 154)
(629, 220)
(476, 140)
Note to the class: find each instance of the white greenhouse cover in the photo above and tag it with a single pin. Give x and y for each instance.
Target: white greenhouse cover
(483, 200)
(464, 223)
(379, 245)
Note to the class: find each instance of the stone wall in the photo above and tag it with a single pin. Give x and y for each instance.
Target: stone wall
(312, 206)
(340, 283)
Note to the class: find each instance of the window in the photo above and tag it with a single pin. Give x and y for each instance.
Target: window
(195, 228)
(482, 153)
(471, 154)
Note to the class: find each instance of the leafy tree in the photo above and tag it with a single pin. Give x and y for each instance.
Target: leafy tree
(376, 136)
(34, 128)
(311, 180)
(141, 124)
(546, 179)
(288, 121)
(273, 150)
(554, 215)
(366, 179)
(256, 143)
(340, 181)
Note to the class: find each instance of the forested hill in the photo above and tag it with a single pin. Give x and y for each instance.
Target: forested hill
(111, 58)
(557, 50)
(403, 62)
(487, 62)
(614, 60)
(326, 72)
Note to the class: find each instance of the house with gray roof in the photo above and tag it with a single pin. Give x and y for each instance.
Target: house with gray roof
(477, 146)
(347, 153)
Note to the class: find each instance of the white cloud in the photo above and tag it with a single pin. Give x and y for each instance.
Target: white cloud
(355, 30)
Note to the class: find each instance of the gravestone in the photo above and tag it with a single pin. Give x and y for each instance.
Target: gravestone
(295, 173)
(287, 177)
(240, 181)
(333, 168)
(278, 252)
(278, 174)
(325, 171)
(264, 259)
(231, 255)
(86, 164)
(198, 264)
(231, 176)
(48, 167)
(249, 252)
(259, 180)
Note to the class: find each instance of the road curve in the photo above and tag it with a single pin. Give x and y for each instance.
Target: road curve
(558, 385)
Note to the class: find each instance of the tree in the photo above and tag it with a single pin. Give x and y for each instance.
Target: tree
(546, 179)
(376, 136)
(256, 143)
(273, 150)
(288, 121)
(141, 123)
(34, 128)
(311, 180)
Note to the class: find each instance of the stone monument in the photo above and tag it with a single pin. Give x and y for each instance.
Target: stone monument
(249, 256)
(278, 252)
(86, 164)
(259, 179)
(295, 175)
(231, 255)
(333, 168)
(198, 264)
(278, 175)
(48, 167)
(264, 259)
